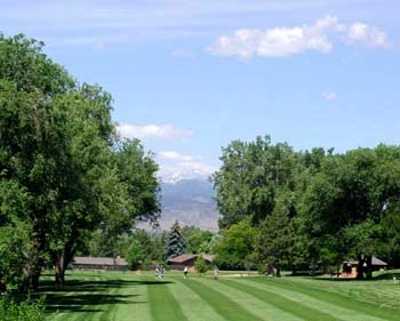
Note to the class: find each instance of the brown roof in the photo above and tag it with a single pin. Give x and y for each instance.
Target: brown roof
(181, 259)
(104, 261)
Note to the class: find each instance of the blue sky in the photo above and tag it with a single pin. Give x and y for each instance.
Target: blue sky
(188, 76)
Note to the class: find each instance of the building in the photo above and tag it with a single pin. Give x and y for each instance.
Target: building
(99, 263)
(349, 268)
(188, 260)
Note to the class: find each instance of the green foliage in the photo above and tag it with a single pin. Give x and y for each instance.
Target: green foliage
(201, 265)
(23, 311)
(63, 171)
(14, 248)
(136, 255)
(198, 240)
(176, 243)
(23, 62)
(152, 245)
(249, 178)
(236, 246)
(313, 208)
(275, 239)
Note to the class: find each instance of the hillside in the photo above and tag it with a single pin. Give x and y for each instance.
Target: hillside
(191, 202)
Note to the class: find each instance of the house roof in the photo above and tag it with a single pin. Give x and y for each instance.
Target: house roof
(181, 259)
(104, 261)
(378, 262)
(208, 257)
(374, 262)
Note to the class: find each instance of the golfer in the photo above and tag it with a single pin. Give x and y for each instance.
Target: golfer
(185, 272)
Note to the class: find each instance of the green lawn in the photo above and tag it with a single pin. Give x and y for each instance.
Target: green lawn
(100, 296)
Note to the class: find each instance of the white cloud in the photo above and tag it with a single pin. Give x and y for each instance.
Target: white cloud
(288, 41)
(163, 131)
(277, 42)
(369, 35)
(172, 155)
(175, 166)
(329, 96)
(92, 23)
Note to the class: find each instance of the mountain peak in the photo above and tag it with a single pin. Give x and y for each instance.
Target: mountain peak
(190, 201)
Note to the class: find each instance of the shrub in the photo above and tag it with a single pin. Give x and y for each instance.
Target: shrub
(23, 311)
(135, 255)
(201, 265)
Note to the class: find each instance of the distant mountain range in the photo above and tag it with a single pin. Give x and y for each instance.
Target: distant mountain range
(191, 202)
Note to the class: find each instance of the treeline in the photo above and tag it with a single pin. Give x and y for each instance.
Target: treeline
(308, 210)
(64, 172)
(143, 249)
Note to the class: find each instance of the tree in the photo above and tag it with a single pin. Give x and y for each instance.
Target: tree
(275, 239)
(391, 229)
(23, 63)
(201, 265)
(136, 255)
(14, 235)
(249, 178)
(237, 245)
(347, 201)
(176, 243)
(197, 239)
(59, 149)
(32, 156)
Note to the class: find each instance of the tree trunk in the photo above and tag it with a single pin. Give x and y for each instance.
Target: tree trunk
(3, 287)
(34, 280)
(360, 267)
(59, 271)
(278, 271)
(368, 261)
(33, 269)
(61, 261)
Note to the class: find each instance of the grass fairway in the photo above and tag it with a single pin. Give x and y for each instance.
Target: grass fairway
(99, 296)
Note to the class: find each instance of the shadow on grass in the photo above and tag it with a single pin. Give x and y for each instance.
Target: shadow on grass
(90, 295)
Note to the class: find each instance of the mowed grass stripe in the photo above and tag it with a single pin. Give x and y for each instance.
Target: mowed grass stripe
(258, 307)
(192, 305)
(89, 316)
(61, 316)
(285, 304)
(356, 310)
(222, 304)
(80, 314)
(137, 307)
(313, 303)
(163, 305)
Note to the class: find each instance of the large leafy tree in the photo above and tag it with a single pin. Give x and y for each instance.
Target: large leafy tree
(338, 206)
(59, 151)
(250, 177)
(32, 153)
(236, 249)
(136, 199)
(347, 202)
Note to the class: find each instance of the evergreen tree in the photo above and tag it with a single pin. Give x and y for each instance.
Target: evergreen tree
(276, 238)
(176, 243)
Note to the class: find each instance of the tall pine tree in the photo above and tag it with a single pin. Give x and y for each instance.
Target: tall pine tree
(176, 243)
